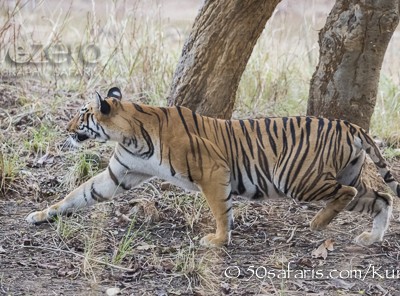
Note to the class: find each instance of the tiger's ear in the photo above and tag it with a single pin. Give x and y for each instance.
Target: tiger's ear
(102, 105)
(114, 92)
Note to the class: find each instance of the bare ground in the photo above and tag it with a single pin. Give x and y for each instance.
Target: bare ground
(146, 242)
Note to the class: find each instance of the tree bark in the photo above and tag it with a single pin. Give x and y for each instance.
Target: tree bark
(352, 47)
(216, 53)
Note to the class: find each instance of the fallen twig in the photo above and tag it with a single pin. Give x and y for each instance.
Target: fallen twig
(81, 256)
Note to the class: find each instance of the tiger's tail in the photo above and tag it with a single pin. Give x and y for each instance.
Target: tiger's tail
(372, 150)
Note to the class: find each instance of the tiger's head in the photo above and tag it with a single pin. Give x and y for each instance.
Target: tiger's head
(88, 123)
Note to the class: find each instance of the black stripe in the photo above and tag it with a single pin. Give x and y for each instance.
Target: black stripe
(165, 111)
(295, 160)
(298, 119)
(233, 136)
(205, 146)
(228, 198)
(92, 130)
(246, 163)
(381, 163)
(104, 132)
(203, 126)
(251, 121)
(377, 214)
(227, 124)
(241, 188)
(188, 170)
(321, 124)
(127, 150)
(140, 109)
(215, 126)
(246, 135)
(319, 192)
(284, 171)
(120, 162)
(149, 153)
(329, 155)
(304, 181)
(173, 172)
(292, 131)
(95, 195)
(270, 138)
(178, 108)
(160, 137)
(227, 211)
(259, 134)
(84, 195)
(263, 163)
(196, 124)
(116, 181)
(261, 181)
(308, 129)
(284, 121)
(221, 129)
(258, 194)
(200, 157)
(275, 127)
(92, 119)
(388, 177)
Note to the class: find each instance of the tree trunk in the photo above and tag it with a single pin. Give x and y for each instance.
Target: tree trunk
(352, 46)
(216, 53)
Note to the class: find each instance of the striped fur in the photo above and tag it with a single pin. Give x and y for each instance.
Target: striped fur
(305, 158)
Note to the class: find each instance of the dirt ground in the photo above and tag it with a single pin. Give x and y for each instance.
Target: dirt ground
(146, 242)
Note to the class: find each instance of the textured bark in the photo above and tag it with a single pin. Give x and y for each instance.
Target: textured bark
(352, 46)
(216, 53)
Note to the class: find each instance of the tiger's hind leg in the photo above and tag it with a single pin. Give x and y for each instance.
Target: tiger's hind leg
(377, 204)
(340, 196)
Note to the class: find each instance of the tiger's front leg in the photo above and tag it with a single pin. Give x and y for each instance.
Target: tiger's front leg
(102, 187)
(216, 189)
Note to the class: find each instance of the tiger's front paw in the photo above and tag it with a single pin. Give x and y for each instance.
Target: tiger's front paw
(37, 217)
(212, 240)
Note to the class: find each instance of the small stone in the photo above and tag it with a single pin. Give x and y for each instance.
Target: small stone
(113, 291)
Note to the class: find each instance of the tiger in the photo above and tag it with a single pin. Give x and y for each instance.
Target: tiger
(308, 159)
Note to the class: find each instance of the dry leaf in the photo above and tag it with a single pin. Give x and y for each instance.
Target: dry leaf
(145, 247)
(113, 291)
(320, 252)
(329, 244)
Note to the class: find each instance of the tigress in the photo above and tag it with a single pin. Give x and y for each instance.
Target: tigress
(304, 158)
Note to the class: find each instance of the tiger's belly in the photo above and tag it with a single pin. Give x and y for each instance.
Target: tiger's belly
(256, 191)
(183, 183)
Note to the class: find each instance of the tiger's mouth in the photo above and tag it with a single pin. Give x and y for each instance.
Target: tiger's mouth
(81, 138)
(77, 138)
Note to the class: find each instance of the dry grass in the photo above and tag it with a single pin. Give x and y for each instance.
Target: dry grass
(151, 240)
